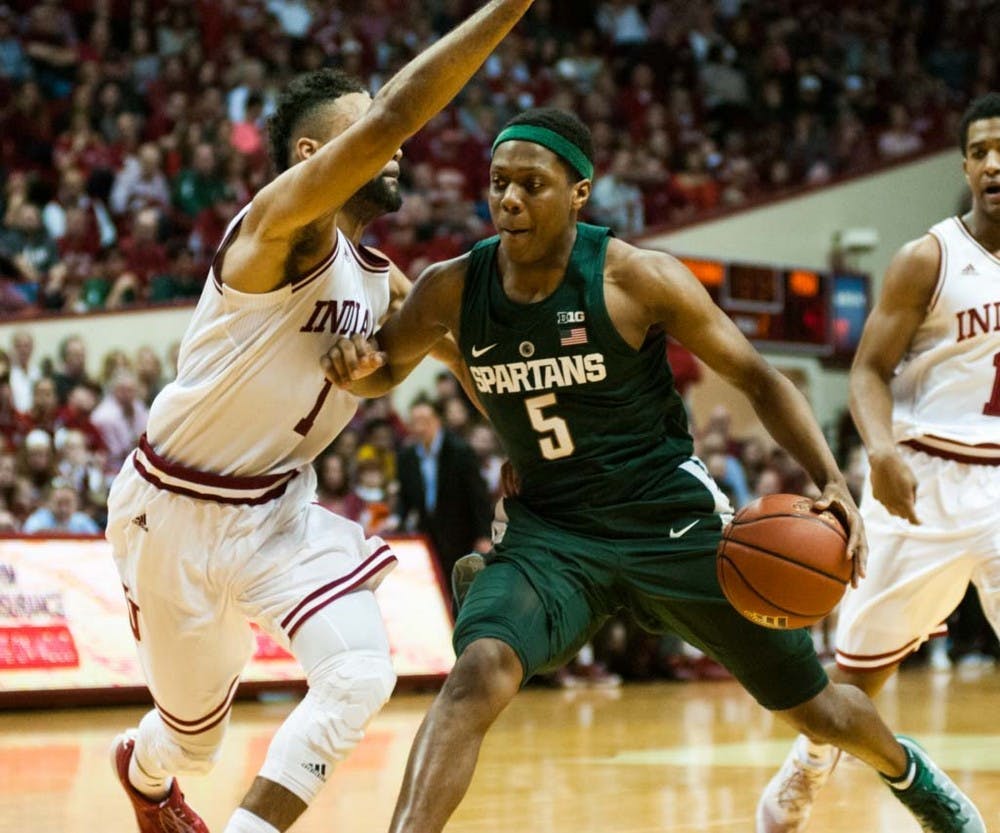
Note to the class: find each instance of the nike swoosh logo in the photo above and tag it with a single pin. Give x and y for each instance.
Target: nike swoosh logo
(477, 352)
(678, 533)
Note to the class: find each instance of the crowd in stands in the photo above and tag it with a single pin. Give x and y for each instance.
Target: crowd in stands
(130, 132)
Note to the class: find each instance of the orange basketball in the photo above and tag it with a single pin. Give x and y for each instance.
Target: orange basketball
(782, 564)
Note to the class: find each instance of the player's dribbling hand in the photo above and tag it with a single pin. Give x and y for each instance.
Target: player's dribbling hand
(894, 485)
(837, 500)
(352, 358)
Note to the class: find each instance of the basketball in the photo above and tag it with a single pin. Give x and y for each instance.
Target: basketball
(782, 564)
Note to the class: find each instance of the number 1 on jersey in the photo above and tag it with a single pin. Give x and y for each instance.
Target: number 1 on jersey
(560, 443)
(304, 425)
(992, 408)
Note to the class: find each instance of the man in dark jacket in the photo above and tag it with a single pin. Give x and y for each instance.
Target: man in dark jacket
(441, 492)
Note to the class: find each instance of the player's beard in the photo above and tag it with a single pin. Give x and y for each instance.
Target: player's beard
(376, 197)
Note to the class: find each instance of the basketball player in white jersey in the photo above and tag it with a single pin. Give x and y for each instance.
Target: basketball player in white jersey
(925, 394)
(211, 519)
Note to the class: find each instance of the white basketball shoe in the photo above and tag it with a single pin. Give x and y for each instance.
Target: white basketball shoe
(787, 800)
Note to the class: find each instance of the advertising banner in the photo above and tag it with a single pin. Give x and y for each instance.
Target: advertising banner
(64, 622)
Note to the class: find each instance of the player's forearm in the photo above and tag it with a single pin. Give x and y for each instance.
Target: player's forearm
(788, 418)
(372, 386)
(382, 381)
(406, 103)
(871, 407)
(425, 85)
(446, 351)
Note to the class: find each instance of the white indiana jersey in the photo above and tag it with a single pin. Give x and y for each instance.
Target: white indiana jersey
(250, 397)
(946, 391)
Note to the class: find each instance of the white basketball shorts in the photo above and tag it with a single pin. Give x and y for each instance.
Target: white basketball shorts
(917, 575)
(197, 570)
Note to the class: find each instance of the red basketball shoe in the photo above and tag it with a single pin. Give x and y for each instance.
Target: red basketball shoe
(171, 815)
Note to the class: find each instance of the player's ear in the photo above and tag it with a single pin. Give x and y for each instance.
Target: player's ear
(581, 194)
(305, 147)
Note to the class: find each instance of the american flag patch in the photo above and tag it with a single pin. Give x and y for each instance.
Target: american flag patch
(572, 335)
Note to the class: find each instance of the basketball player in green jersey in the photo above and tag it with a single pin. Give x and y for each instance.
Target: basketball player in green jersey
(563, 331)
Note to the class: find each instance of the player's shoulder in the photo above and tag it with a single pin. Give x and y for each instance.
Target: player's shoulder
(912, 275)
(628, 265)
(922, 254)
(446, 270)
(444, 278)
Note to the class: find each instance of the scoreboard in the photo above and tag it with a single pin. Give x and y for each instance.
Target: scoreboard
(805, 311)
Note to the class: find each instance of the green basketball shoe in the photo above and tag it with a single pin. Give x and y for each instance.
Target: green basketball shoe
(933, 798)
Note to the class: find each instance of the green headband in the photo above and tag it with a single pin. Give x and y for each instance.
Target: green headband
(559, 145)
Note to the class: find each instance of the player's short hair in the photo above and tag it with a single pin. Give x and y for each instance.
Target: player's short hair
(565, 124)
(299, 100)
(985, 107)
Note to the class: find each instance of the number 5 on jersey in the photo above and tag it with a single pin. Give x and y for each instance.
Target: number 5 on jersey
(556, 442)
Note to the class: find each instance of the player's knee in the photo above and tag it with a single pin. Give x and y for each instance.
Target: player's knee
(345, 692)
(348, 691)
(485, 677)
(831, 716)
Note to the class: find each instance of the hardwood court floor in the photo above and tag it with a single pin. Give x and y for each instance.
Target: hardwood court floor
(660, 758)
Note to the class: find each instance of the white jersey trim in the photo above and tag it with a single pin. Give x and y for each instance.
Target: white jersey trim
(942, 275)
(860, 662)
(368, 260)
(296, 283)
(369, 573)
(968, 234)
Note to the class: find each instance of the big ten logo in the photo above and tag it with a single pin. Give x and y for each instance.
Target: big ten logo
(776, 622)
(575, 317)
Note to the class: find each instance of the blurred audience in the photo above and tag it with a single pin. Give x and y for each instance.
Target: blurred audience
(125, 151)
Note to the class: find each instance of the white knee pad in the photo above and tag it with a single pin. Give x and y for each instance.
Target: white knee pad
(161, 750)
(345, 692)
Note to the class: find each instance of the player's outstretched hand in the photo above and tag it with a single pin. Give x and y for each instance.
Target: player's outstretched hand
(837, 500)
(894, 485)
(352, 358)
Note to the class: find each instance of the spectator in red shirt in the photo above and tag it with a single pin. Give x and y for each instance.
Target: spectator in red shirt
(14, 426)
(73, 356)
(210, 225)
(333, 483)
(44, 407)
(75, 416)
(80, 146)
(246, 135)
(145, 257)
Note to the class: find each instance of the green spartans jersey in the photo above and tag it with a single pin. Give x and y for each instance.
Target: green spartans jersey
(593, 427)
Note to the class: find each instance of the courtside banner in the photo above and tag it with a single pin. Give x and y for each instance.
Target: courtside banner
(64, 622)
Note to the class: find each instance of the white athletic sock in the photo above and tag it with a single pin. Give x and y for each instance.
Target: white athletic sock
(243, 821)
(147, 779)
(905, 781)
